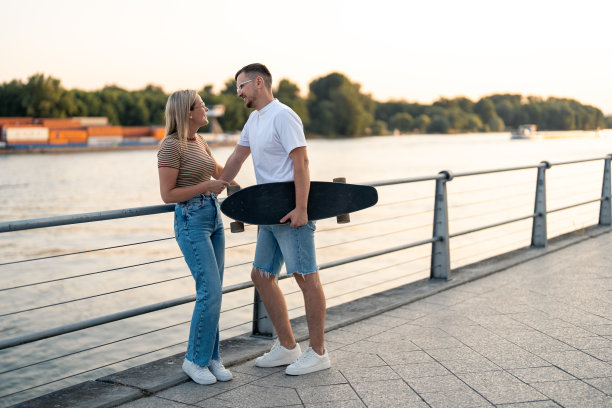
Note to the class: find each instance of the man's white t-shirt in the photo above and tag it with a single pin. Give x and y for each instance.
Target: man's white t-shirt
(272, 133)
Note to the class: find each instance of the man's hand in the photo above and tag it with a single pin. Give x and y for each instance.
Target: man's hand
(298, 218)
(217, 186)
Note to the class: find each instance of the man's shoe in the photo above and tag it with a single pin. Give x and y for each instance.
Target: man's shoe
(219, 371)
(278, 356)
(309, 362)
(198, 374)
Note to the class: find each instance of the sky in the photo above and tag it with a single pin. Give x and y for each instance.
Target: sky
(417, 51)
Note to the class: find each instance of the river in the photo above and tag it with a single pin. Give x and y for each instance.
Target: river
(46, 185)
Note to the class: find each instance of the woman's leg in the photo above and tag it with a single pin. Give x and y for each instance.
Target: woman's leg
(194, 230)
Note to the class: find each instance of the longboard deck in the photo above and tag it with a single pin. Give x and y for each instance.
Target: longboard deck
(266, 204)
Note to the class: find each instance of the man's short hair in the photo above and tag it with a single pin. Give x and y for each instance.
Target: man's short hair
(257, 69)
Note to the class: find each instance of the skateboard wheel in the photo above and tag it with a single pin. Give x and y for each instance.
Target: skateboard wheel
(236, 226)
(232, 189)
(342, 218)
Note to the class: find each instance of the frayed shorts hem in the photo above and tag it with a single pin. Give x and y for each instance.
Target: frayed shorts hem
(266, 272)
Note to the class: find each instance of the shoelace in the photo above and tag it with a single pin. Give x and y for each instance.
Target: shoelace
(273, 349)
(304, 358)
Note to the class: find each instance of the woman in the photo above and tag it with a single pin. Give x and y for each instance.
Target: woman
(186, 165)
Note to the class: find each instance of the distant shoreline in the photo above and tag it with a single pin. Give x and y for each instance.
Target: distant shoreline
(49, 149)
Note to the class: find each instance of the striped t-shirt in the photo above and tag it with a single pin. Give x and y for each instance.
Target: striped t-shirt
(192, 159)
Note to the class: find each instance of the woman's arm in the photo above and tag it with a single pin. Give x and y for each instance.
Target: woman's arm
(172, 194)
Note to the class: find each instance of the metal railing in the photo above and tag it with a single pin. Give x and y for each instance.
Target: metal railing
(440, 253)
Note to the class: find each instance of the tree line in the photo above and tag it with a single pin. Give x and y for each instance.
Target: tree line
(335, 107)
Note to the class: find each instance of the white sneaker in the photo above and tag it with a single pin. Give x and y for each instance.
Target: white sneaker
(309, 362)
(278, 356)
(198, 374)
(219, 371)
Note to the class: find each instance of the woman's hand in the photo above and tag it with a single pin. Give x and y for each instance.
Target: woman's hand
(217, 186)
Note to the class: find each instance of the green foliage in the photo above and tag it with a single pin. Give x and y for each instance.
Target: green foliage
(289, 93)
(378, 128)
(42, 97)
(421, 123)
(335, 107)
(338, 108)
(439, 124)
(401, 121)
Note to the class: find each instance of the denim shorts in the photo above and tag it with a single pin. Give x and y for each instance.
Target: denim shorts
(282, 243)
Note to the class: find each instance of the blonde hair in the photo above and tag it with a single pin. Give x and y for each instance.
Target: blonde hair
(177, 113)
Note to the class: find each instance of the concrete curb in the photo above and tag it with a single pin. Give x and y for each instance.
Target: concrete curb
(159, 375)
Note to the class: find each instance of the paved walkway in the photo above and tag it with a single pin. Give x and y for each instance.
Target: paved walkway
(536, 334)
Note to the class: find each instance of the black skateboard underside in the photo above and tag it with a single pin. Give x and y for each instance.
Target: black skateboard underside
(266, 204)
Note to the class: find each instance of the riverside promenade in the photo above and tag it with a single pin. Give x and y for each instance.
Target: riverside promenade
(532, 328)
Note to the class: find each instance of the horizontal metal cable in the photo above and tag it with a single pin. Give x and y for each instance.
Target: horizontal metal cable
(490, 200)
(379, 283)
(84, 252)
(478, 214)
(115, 341)
(457, 234)
(553, 185)
(223, 311)
(95, 347)
(93, 369)
(511, 245)
(477, 190)
(94, 296)
(373, 236)
(428, 197)
(90, 273)
(365, 273)
(575, 205)
(488, 239)
(97, 321)
(29, 338)
(376, 221)
(113, 270)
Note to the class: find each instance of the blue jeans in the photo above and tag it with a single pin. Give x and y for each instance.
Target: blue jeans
(199, 232)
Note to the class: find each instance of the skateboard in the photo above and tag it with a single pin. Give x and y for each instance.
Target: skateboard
(266, 204)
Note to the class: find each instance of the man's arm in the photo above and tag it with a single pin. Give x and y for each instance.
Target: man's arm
(234, 162)
(299, 216)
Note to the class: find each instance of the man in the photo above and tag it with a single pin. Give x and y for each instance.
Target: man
(274, 136)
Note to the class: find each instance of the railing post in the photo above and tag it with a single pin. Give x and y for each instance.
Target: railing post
(262, 324)
(538, 232)
(605, 211)
(440, 249)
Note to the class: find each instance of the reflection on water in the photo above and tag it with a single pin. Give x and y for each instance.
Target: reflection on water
(34, 186)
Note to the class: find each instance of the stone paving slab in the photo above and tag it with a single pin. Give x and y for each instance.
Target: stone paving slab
(538, 333)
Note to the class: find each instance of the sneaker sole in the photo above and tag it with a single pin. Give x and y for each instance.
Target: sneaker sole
(310, 370)
(273, 364)
(202, 382)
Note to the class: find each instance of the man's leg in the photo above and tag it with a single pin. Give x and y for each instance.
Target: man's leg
(314, 301)
(275, 304)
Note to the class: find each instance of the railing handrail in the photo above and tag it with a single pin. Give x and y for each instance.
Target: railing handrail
(125, 314)
(441, 177)
(20, 225)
